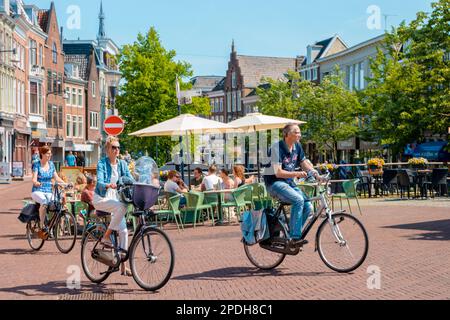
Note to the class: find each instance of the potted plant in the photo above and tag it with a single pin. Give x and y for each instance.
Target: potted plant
(418, 163)
(376, 165)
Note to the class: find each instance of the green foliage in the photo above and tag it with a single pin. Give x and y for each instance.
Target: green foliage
(148, 94)
(409, 93)
(329, 108)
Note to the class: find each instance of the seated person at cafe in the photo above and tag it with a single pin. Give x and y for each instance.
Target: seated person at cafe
(88, 193)
(239, 177)
(172, 186)
(227, 182)
(211, 180)
(198, 178)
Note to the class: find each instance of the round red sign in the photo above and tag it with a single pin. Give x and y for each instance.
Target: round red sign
(114, 125)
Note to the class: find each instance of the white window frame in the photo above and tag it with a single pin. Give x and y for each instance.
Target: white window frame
(80, 98)
(74, 126)
(93, 120)
(80, 127)
(69, 125)
(74, 97)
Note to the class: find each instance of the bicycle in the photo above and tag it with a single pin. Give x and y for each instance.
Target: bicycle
(339, 236)
(149, 246)
(61, 224)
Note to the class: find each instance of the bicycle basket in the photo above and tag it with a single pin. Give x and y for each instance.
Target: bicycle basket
(145, 196)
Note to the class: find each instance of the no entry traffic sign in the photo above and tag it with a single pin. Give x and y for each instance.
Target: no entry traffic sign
(114, 125)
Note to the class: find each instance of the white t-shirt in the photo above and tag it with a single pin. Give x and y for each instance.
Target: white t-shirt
(171, 186)
(210, 181)
(114, 173)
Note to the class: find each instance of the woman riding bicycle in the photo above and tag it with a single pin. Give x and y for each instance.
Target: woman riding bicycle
(106, 198)
(43, 173)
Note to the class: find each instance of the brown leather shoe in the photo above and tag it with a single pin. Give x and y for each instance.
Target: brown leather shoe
(43, 234)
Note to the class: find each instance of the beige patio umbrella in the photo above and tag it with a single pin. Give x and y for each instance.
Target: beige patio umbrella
(254, 122)
(184, 124)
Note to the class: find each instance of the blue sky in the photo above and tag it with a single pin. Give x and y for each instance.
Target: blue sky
(200, 31)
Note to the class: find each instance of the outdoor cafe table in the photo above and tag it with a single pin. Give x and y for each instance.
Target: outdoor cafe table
(219, 200)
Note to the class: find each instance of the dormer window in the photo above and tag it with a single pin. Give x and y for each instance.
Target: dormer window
(76, 71)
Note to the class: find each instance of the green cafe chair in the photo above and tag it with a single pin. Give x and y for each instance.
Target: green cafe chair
(237, 201)
(173, 212)
(194, 207)
(349, 193)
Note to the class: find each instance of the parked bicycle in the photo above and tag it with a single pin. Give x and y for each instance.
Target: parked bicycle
(61, 224)
(341, 239)
(150, 252)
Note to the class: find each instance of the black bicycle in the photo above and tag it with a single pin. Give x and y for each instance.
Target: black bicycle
(151, 253)
(341, 239)
(61, 224)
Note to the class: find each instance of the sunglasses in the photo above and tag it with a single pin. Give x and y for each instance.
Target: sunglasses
(115, 147)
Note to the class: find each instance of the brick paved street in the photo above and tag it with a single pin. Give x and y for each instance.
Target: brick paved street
(409, 242)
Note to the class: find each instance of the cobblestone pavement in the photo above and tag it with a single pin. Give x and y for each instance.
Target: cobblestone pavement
(409, 243)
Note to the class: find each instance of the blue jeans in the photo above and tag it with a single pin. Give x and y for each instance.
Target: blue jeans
(301, 206)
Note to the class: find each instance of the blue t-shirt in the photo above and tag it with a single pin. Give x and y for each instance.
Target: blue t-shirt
(44, 177)
(71, 160)
(280, 154)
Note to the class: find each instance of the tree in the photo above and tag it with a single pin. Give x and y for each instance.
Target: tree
(408, 94)
(330, 110)
(148, 94)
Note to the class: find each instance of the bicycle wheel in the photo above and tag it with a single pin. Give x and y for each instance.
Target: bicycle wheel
(65, 232)
(93, 269)
(265, 259)
(343, 244)
(34, 241)
(152, 259)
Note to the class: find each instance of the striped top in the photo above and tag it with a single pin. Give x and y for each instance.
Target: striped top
(44, 177)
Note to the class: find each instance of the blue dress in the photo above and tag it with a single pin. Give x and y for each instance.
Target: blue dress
(44, 177)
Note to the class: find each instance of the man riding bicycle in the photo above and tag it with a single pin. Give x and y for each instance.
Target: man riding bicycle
(286, 155)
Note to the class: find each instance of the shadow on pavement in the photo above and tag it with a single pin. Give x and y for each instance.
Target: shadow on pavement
(18, 252)
(225, 274)
(439, 230)
(53, 288)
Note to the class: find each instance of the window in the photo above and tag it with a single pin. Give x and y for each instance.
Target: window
(60, 81)
(93, 120)
(69, 125)
(33, 53)
(356, 76)
(80, 98)
(74, 97)
(49, 81)
(75, 126)
(233, 80)
(362, 81)
(211, 103)
(238, 102)
(54, 53)
(221, 105)
(23, 97)
(75, 71)
(34, 109)
(314, 77)
(60, 117)
(229, 101)
(15, 96)
(49, 116)
(55, 116)
(233, 102)
(55, 82)
(94, 89)
(350, 78)
(41, 55)
(80, 126)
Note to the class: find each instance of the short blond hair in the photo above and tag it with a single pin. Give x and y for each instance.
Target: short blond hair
(110, 140)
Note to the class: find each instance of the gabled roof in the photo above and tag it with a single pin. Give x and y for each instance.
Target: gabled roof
(220, 86)
(79, 53)
(325, 46)
(206, 83)
(253, 69)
